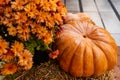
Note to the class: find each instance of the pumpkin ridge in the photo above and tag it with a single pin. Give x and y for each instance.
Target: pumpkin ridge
(73, 57)
(64, 48)
(85, 26)
(106, 54)
(78, 30)
(77, 26)
(63, 51)
(100, 37)
(93, 32)
(70, 30)
(99, 67)
(88, 65)
(94, 43)
(84, 59)
(81, 27)
(100, 40)
(67, 54)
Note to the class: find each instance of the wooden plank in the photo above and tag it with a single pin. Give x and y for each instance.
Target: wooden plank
(111, 22)
(116, 4)
(89, 5)
(63, 1)
(114, 9)
(103, 5)
(116, 37)
(96, 18)
(110, 19)
(72, 5)
(119, 53)
(71, 11)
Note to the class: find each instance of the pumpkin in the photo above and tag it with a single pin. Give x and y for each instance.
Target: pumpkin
(85, 49)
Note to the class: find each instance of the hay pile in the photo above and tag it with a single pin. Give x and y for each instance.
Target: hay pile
(51, 71)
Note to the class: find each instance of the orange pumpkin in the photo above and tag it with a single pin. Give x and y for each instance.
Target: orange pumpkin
(85, 49)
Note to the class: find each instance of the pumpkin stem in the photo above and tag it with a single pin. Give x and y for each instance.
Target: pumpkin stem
(84, 36)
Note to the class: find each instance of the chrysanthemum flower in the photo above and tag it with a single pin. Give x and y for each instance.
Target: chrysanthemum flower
(49, 5)
(30, 9)
(23, 32)
(47, 38)
(58, 19)
(17, 47)
(29, 65)
(49, 20)
(41, 32)
(8, 68)
(36, 1)
(20, 17)
(25, 58)
(61, 8)
(4, 1)
(8, 13)
(18, 4)
(5, 21)
(8, 56)
(41, 17)
(12, 31)
(34, 27)
(3, 46)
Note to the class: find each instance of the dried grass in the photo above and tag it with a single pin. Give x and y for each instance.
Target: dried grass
(51, 71)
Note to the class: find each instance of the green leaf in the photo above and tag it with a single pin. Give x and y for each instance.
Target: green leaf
(33, 43)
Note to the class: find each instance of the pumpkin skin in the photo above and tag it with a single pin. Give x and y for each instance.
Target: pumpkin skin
(85, 49)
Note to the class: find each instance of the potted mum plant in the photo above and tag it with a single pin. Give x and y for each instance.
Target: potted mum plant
(27, 26)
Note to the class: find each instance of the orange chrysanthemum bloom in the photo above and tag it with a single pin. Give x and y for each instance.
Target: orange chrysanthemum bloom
(29, 65)
(18, 4)
(4, 1)
(5, 21)
(8, 56)
(61, 8)
(12, 31)
(30, 9)
(8, 68)
(3, 46)
(48, 5)
(20, 17)
(34, 27)
(36, 1)
(42, 16)
(49, 20)
(8, 12)
(23, 32)
(17, 47)
(41, 31)
(47, 38)
(25, 58)
(58, 19)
